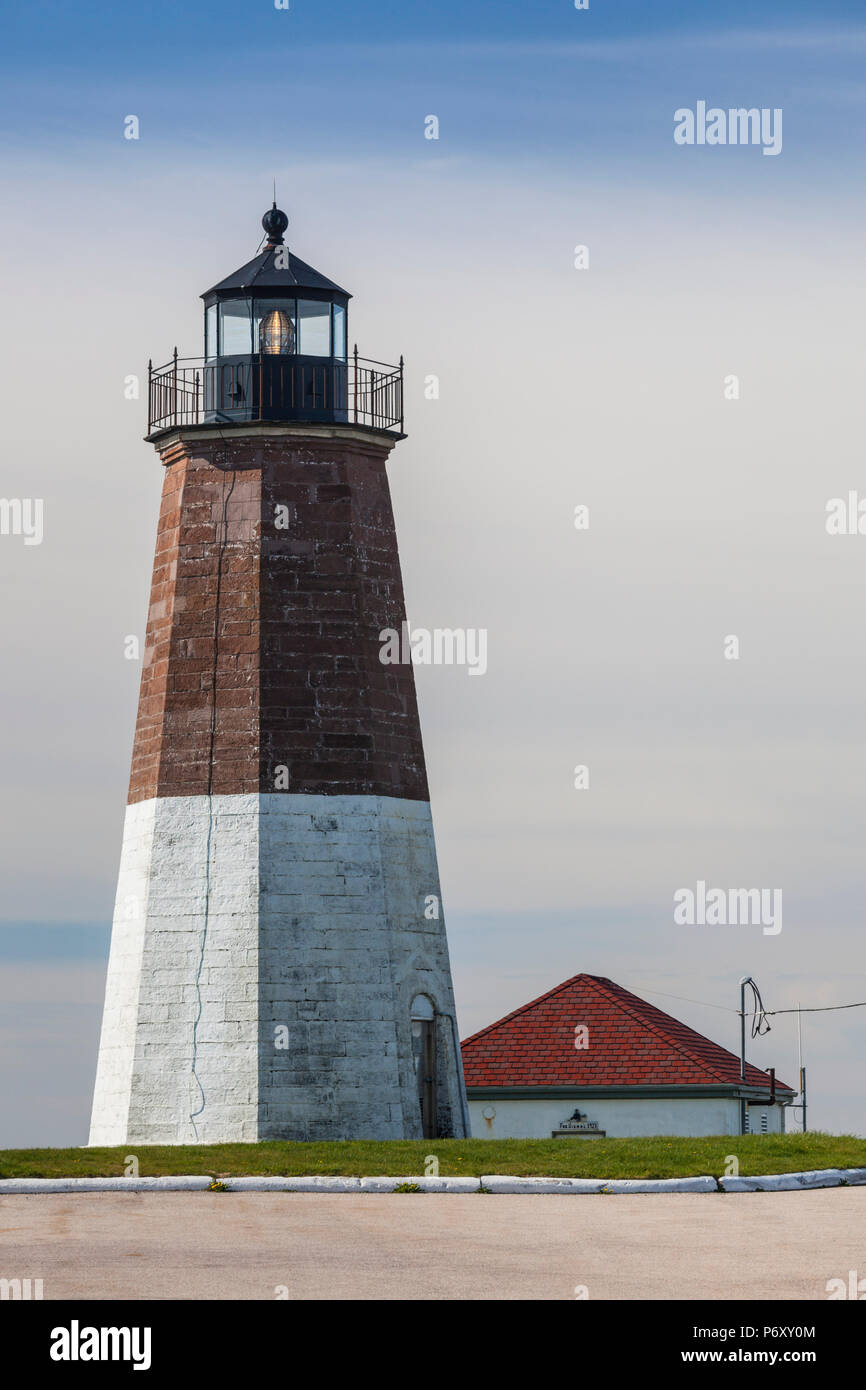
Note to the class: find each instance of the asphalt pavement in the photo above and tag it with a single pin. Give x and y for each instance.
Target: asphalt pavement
(203, 1245)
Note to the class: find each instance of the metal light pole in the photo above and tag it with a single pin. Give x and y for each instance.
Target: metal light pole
(747, 979)
(800, 1063)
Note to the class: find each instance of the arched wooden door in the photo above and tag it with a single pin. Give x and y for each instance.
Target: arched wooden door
(423, 1019)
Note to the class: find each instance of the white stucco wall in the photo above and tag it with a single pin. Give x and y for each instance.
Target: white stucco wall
(258, 912)
(345, 947)
(775, 1119)
(619, 1118)
(167, 957)
(110, 1113)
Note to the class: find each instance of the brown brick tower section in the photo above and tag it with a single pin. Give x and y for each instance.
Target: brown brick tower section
(276, 569)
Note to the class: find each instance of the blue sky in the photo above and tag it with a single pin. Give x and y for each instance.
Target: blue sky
(556, 128)
(510, 81)
(202, 26)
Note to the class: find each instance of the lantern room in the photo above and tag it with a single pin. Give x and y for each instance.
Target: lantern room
(276, 349)
(275, 339)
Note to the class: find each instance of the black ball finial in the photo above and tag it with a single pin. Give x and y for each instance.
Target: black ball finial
(275, 223)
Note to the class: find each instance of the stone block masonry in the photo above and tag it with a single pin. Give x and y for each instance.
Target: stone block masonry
(274, 1002)
(262, 644)
(270, 933)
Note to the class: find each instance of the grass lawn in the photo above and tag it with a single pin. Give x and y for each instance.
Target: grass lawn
(662, 1157)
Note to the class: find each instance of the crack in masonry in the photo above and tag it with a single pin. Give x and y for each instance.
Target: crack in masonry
(212, 739)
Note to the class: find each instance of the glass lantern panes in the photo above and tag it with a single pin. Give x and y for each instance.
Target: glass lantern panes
(235, 328)
(275, 327)
(210, 332)
(314, 324)
(339, 331)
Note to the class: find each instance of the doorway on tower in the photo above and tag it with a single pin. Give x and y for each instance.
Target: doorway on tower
(423, 1017)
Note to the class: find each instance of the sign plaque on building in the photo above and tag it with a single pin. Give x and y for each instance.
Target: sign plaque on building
(577, 1126)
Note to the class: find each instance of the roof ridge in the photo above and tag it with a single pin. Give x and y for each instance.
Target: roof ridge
(708, 1061)
(515, 1013)
(600, 980)
(262, 270)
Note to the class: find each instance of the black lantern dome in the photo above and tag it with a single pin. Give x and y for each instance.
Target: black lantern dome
(277, 332)
(275, 223)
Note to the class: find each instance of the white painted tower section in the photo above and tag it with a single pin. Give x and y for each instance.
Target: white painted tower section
(265, 954)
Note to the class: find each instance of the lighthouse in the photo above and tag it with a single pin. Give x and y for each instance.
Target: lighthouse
(278, 967)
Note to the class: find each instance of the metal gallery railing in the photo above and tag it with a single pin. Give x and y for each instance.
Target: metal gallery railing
(194, 391)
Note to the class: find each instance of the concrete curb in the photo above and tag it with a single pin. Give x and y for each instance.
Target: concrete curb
(425, 1184)
(334, 1184)
(624, 1186)
(494, 1183)
(793, 1182)
(31, 1186)
(277, 1184)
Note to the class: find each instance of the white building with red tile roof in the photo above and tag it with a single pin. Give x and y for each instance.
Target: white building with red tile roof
(590, 1058)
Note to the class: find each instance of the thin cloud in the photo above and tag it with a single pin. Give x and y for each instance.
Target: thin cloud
(836, 41)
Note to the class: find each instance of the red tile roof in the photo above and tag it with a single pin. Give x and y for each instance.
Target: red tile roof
(630, 1043)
